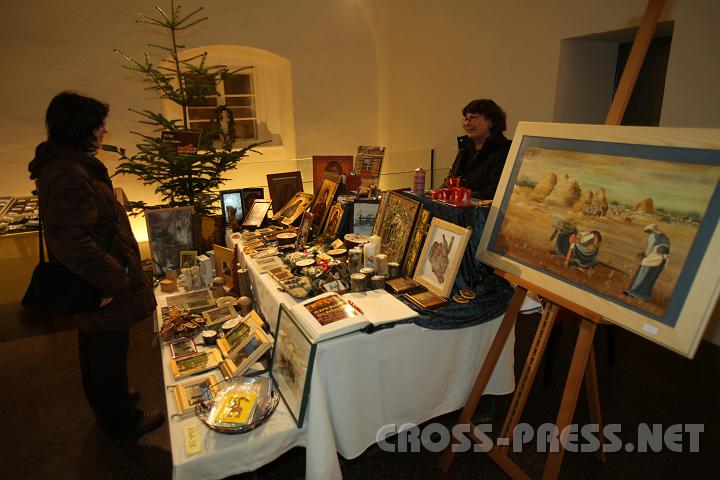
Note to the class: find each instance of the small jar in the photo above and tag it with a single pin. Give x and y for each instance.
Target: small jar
(393, 270)
(209, 337)
(358, 282)
(377, 282)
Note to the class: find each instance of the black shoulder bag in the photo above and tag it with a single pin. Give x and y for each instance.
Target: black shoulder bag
(55, 289)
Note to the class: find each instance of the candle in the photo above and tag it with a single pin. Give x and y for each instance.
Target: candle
(381, 264)
(376, 240)
(355, 260)
(393, 269)
(369, 251)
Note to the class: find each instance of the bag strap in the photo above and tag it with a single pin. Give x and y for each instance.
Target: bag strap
(41, 246)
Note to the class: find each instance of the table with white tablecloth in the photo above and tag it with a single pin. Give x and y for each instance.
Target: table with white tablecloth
(360, 382)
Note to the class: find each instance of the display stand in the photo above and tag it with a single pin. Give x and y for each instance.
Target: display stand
(582, 366)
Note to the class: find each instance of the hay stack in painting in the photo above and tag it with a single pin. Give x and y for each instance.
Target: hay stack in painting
(628, 222)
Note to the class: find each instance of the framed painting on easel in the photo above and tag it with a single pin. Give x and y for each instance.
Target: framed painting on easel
(620, 220)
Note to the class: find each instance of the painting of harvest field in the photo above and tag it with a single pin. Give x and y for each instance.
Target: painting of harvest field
(616, 224)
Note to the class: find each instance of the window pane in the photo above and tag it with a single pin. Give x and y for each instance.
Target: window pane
(239, 101)
(243, 112)
(201, 113)
(199, 85)
(204, 102)
(246, 129)
(239, 83)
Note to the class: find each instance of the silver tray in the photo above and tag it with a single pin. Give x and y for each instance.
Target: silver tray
(267, 399)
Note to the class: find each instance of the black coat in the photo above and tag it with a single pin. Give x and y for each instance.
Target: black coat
(87, 231)
(481, 169)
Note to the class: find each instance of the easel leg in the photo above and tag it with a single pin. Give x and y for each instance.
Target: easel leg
(592, 390)
(527, 377)
(486, 370)
(583, 349)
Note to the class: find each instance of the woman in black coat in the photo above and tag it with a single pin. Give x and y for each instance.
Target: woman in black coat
(88, 232)
(483, 150)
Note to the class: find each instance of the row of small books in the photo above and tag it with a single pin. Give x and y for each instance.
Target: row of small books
(330, 315)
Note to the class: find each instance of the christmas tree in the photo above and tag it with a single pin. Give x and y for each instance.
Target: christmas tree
(181, 178)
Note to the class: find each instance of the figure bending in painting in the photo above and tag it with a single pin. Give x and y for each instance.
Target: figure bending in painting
(652, 262)
(584, 249)
(561, 235)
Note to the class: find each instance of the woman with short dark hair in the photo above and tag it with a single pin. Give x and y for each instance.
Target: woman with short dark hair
(87, 231)
(483, 149)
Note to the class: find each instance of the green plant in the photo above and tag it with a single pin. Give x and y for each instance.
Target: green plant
(181, 179)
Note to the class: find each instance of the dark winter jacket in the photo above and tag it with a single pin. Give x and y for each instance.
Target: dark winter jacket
(87, 231)
(481, 169)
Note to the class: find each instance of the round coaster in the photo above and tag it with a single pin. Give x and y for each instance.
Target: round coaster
(460, 299)
(468, 294)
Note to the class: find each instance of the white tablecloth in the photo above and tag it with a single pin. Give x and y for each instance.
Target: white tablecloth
(361, 382)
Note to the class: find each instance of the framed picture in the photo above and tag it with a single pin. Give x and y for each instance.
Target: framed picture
(233, 209)
(188, 394)
(441, 255)
(234, 339)
(207, 230)
(416, 242)
(323, 200)
(395, 224)
(293, 209)
(330, 166)
(225, 264)
(620, 220)
(241, 359)
(368, 164)
(363, 216)
(292, 362)
(282, 187)
(183, 347)
(195, 301)
(334, 219)
(265, 264)
(305, 227)
(169, 232)
(427, 300)
(188, 258)
(256, 215)
(249, 195)
(195, 363)
(215, 317)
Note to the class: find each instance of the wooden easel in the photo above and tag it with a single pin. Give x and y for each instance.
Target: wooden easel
(582, 367)
(582, 364)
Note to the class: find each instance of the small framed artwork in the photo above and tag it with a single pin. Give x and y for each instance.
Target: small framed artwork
(394, 224)
(249, 195)
(234, 339)
(363, 216)
(256, 215)
(282, 187)
(305, 227)
(416, 242)
(183, 347)
(188, 258)
(231, 202)
(402, 285)
(265, 264)
(323, 200)
(241, 359)
(225, 264)
(330, 166)
(215, 317)
(195, 363)
(441, 255)
(334, 219)
(293, 209)
(426, 300)
(194, 301)
(169, 232)
(188, 394)
(292, 363)
(368, 163)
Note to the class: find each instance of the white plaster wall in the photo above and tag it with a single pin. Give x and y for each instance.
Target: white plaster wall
(49, 46)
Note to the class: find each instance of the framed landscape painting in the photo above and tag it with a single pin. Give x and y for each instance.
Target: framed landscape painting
(620, 220)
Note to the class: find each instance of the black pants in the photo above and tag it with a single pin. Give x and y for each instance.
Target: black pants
(103, 364)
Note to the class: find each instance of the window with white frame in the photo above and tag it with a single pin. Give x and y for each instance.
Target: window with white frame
(238, 92)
